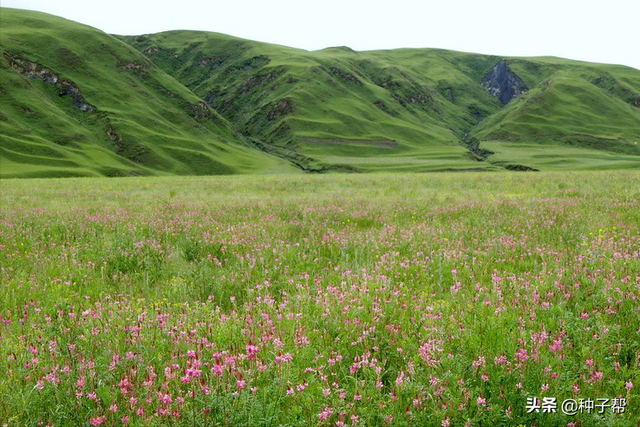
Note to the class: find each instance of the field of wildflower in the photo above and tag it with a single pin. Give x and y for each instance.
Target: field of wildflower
(473, 299)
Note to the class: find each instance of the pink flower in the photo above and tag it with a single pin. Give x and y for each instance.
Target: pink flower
(481, 400)
(218, 370)
(479, 362)
(500, 360)
(521, 355)
(325, 414)
(401, 378)
(113, 408)
(628, 385)
(98, 421)
(596, 376)
(252, 351)
(195, 373)
(283, 358)
(241, 384)
(556, 345)
(165, 398)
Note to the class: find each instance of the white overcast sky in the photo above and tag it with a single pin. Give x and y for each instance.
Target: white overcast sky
(590, 30)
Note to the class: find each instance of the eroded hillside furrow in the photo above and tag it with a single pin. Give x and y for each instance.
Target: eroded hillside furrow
(33, 70)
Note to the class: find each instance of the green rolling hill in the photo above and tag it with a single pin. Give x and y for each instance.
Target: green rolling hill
(76, 101)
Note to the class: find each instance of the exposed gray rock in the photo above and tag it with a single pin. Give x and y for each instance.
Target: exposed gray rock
(33, 70)
(503, 83)
(69, 89)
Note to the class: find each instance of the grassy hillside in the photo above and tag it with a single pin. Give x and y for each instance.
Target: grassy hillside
(406, 109)
(335, 107)
(573, 113)
(78, 102)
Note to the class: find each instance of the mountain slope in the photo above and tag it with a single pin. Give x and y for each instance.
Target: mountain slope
(572, 106)
(406, 109)
(333, 108)
(78, 102)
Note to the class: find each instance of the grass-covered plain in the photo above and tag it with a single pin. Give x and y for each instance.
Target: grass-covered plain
(405, 300)
(556, 157)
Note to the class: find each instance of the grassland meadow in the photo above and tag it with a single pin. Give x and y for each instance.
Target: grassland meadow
(475, 299)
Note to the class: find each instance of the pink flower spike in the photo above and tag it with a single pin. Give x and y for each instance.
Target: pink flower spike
(98, 421)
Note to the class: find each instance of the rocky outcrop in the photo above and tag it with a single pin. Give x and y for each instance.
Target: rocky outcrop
(345, 76)
(201, 111)
(283, 107)
(503, 83)
(259, 80)
(69, 89)
(33, 70)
